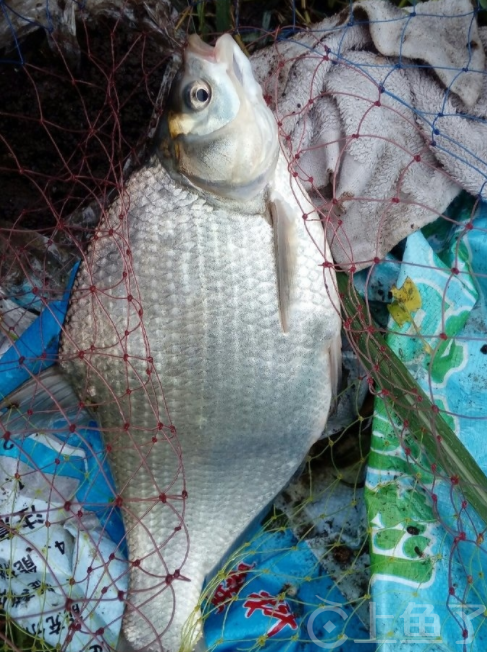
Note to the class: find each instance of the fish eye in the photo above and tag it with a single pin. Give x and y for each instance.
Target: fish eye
(197, 95)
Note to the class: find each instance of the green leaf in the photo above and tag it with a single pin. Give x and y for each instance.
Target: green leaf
(203, 28)
(223, 15)
(406, 301)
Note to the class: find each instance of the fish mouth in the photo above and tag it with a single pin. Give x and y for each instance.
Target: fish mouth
(222, 52)
(197, 47)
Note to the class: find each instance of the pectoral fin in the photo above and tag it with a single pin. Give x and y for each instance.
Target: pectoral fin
(335, 354)
(285, 243)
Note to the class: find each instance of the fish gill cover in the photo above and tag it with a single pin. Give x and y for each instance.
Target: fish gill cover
(378, 538)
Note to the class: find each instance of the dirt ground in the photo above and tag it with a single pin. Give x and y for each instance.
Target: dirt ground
(65, 131)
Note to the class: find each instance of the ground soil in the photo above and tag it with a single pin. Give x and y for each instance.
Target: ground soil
(66, 128)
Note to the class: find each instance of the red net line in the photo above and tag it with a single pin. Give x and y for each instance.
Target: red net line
(70, 141)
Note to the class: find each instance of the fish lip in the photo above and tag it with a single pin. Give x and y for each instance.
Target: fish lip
(221, 52)
(197, 47)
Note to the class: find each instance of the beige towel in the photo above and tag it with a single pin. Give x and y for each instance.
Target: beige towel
(386, 110)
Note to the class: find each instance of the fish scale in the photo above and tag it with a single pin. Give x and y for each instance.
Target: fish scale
(198, 295)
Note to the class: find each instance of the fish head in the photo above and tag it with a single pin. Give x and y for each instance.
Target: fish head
(217, 130)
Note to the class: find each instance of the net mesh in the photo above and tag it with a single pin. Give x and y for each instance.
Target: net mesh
(379, 538)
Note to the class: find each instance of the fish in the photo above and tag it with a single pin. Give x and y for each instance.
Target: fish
(204, 330)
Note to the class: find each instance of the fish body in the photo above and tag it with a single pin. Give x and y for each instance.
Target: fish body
(204, 328)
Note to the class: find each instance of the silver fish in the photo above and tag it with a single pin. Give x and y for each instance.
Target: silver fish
(203, 302)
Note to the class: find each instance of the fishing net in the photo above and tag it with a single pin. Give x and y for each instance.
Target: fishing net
(378, 540)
